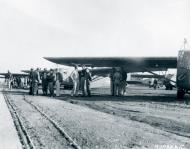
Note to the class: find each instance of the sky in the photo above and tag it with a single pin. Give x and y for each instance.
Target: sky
(33, 29)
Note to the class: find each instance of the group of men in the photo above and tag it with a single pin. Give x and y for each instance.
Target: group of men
(53, 78)
(118, 79)
(48, 79)
(81, 80)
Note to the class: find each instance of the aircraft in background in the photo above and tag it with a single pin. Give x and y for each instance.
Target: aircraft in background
(19, 80)
(136, 64)
(141, 76)
(147, 79)
(15, 74)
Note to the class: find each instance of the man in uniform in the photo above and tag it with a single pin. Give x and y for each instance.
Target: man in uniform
(18, 81)
(112, 82)
(117, 81)
(59, 79)
(34, 80)
(51, 81)
(30, 81)
(155, 83)
(38, 80)
(9, 79)
(149, 84)
(75, 79)
(123, 81)
(83, 80)
(88, 78)
(44, 82)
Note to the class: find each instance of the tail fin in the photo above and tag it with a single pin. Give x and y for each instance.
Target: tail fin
(183, 70)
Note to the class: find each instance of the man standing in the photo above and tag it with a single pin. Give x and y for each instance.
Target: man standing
(38, 74)
(18, 80)
(117, 80)
(30, 81)
(75, 79)
(9, 79)
(59, 79)
(44, 82)
(37, 81)
(33, 82)
(155, 83)
(149, 84)
(112, 82)
(51, 81)
(83, 80)
(88, 78)
(123, 81)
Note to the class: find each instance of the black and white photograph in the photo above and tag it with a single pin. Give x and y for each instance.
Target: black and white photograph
(94, 74)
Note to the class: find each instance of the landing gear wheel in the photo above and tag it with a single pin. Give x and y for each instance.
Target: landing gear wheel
(180, 94)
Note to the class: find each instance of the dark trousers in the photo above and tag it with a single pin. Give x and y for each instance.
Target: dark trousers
(112, 87)
(83, 85)
(33, 88)
(51, 88)
(45, 87)
(116, 89)
(88, 88)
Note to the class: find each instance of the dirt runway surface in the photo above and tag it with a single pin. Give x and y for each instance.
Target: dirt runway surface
(142, 119)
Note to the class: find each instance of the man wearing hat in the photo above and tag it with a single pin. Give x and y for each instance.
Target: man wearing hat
(51, 82)
(88, 80)
(117, 77)
(44, 81)
(75, 79)
(83, 79)
(34, 80)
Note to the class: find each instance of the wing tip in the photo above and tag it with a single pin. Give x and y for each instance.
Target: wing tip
(48, 58)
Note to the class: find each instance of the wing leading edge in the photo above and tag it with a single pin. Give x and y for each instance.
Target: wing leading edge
(131, 64)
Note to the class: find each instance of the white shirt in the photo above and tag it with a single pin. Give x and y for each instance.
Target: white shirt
(75, 75)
